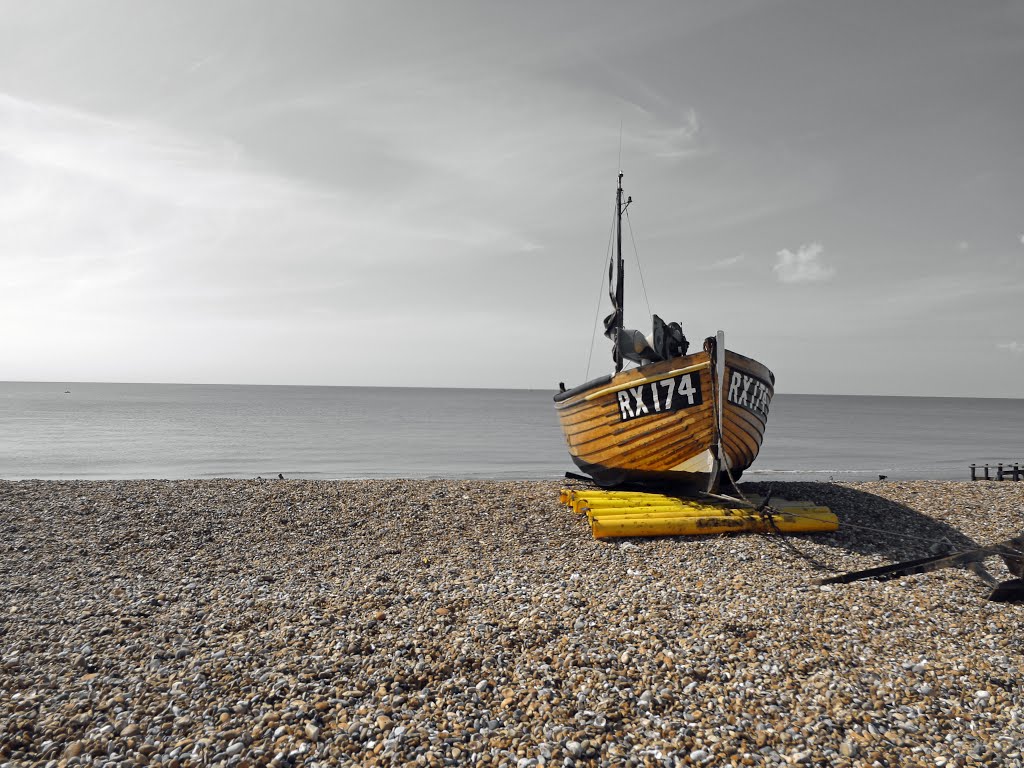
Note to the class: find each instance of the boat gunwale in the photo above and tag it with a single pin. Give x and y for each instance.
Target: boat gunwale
(643, 378)
(580, 388)
(561, 397)
(745, 359)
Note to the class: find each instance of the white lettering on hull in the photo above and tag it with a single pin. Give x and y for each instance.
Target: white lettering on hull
(749, 392)
(663, 396)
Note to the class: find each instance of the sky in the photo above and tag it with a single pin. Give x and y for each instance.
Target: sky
(421, 194)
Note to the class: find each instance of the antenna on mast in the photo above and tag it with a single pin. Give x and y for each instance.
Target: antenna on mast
(620, 144)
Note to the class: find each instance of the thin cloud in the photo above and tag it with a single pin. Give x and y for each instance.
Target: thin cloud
(678, 141)
(1014, 347)
(725, 263)
(803, 265)
(90, 201)
(134, 158)
(90, 194)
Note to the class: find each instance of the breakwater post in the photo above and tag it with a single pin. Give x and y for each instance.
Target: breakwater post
(1002, 473)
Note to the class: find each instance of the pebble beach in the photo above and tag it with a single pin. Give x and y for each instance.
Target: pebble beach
(443, 622)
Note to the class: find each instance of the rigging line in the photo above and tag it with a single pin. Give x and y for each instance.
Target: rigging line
(597, 310)
(638, 267)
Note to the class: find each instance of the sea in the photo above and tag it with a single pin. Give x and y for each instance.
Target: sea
(176, 431)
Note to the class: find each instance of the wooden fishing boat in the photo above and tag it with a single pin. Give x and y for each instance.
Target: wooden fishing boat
(683, 419)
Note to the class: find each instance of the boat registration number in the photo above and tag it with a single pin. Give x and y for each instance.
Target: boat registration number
(663, 396)
(750, 393)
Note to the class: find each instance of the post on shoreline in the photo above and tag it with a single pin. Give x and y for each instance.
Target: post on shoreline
(1003, 472)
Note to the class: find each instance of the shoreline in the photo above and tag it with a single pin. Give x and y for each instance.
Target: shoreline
(243, 622)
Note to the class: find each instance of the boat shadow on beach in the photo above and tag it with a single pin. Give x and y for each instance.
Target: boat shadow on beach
(870, 524)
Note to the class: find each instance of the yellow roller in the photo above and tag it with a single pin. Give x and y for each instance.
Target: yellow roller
(598, 494)
(587, 503)
(600, 502)
(621, 498)
(586, 507)
(634, 513)
(685, 507)
(698, 510)
(656, 509)
(595, 501)
(812, 521)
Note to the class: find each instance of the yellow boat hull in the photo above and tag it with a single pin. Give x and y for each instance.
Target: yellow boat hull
(657, 423)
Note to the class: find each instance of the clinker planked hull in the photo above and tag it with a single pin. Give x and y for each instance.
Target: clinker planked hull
(658, 422)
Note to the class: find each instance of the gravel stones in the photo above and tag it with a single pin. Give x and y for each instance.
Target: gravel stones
(241, 623)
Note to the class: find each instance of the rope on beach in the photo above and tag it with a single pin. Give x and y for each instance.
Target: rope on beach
(763, 510)
(768, 513)
(922, 539)
(992, 550)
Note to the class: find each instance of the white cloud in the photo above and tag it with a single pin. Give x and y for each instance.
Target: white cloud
(963, 245)
(803, 266)
(1015, 347)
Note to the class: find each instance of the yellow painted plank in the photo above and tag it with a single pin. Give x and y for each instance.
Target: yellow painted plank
(662, 511)
(676, 525)
(697, 511)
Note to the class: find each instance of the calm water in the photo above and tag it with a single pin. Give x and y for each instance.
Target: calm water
(196, 431)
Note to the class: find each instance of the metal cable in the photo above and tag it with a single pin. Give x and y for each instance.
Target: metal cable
(597, 310)
(638, 267)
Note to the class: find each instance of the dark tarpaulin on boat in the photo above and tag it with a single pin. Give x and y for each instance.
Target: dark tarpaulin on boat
(613, 323)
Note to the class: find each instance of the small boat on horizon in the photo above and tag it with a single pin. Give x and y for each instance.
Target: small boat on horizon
(694, 420)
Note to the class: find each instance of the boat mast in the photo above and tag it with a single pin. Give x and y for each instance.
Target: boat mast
(620, 209)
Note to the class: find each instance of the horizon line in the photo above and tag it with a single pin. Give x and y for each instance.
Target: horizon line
(68, 383)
